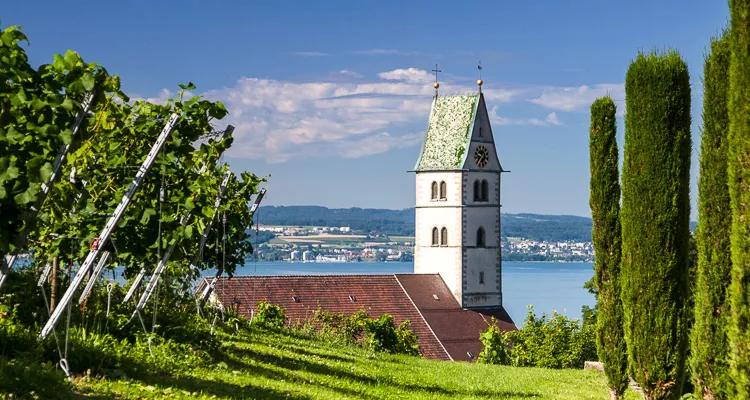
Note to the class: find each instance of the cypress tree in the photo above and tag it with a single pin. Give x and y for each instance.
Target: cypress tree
(739, 192)
(709, 351)
(655, 222)
(605, 213)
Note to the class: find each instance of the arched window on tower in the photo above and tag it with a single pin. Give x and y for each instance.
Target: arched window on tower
(444, 237)
(481, 237)
(485, 190)
(435, 237)
(477, 193)
(443, 190)
(434, 191)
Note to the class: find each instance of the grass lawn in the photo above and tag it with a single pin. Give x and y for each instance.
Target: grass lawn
(277, 366)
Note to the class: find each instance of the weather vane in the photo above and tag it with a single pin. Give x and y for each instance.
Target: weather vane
(479, 81)
(436, 85)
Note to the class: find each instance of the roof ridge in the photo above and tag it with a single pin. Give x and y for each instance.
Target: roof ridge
(296, 276)
(454, 94)
(424, 319)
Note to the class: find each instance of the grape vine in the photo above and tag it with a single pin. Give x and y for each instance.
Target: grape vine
(38, 108)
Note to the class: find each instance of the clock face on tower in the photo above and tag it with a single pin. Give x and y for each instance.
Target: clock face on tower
(481, 156)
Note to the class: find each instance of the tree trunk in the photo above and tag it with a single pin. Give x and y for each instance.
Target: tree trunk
(67, 274)
(54, 283)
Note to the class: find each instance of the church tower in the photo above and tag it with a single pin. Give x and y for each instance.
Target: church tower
(457, 227)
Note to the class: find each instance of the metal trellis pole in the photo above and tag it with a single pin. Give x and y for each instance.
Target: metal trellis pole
(110, 226)
(183, 221)
(152, 284)
(212, 285)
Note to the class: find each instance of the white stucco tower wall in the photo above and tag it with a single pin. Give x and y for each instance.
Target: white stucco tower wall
(459, 157)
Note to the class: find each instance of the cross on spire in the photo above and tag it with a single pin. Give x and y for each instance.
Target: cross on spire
(436, 70)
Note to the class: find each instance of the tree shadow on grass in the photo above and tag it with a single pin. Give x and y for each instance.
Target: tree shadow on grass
(220, 389)
(346, 354)
(332, 357)
(289, 374)
(292, 364)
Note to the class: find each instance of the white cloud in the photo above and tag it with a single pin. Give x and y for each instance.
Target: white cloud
(280, 120)
(552, 119)
(162, 96)
(577, 98)
(411, 75)
(497, 120)
(391, 52)
(350, 73)
(311, 54)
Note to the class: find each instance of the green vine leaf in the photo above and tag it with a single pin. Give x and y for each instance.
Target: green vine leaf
(147, 214)
(88, 81)
(189, 86)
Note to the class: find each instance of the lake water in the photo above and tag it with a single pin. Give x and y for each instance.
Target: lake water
(546, 285)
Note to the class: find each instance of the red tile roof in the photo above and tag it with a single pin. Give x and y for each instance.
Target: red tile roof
(444, 330)
(457, 329)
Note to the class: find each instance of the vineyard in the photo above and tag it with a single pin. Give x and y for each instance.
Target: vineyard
(91, 180)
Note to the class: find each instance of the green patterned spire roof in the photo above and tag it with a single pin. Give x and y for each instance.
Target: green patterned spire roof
(447, 134)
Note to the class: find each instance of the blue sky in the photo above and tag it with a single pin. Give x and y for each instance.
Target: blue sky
(331, 98)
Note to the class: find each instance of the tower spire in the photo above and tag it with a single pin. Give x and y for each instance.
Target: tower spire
(480, 81)
(436, 85)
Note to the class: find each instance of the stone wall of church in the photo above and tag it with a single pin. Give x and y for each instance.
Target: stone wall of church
(492, 181)
(481, 284)
(445, 260)
(424, 189)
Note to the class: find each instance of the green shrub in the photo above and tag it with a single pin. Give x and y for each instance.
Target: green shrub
(340, 327)
(739, 191)
(406, 340)
(655, 220)
(556, 342)
(607, 237)
(383, 336)
(234, 321)
(270, 315)
(96, 342)
(495, 346)
(24, 379)
(15, 337)
(380, 335)
(709, 350)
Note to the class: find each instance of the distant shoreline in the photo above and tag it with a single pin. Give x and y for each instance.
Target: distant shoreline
(400, 262)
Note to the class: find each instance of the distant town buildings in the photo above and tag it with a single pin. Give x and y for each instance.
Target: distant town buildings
(342, 244)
